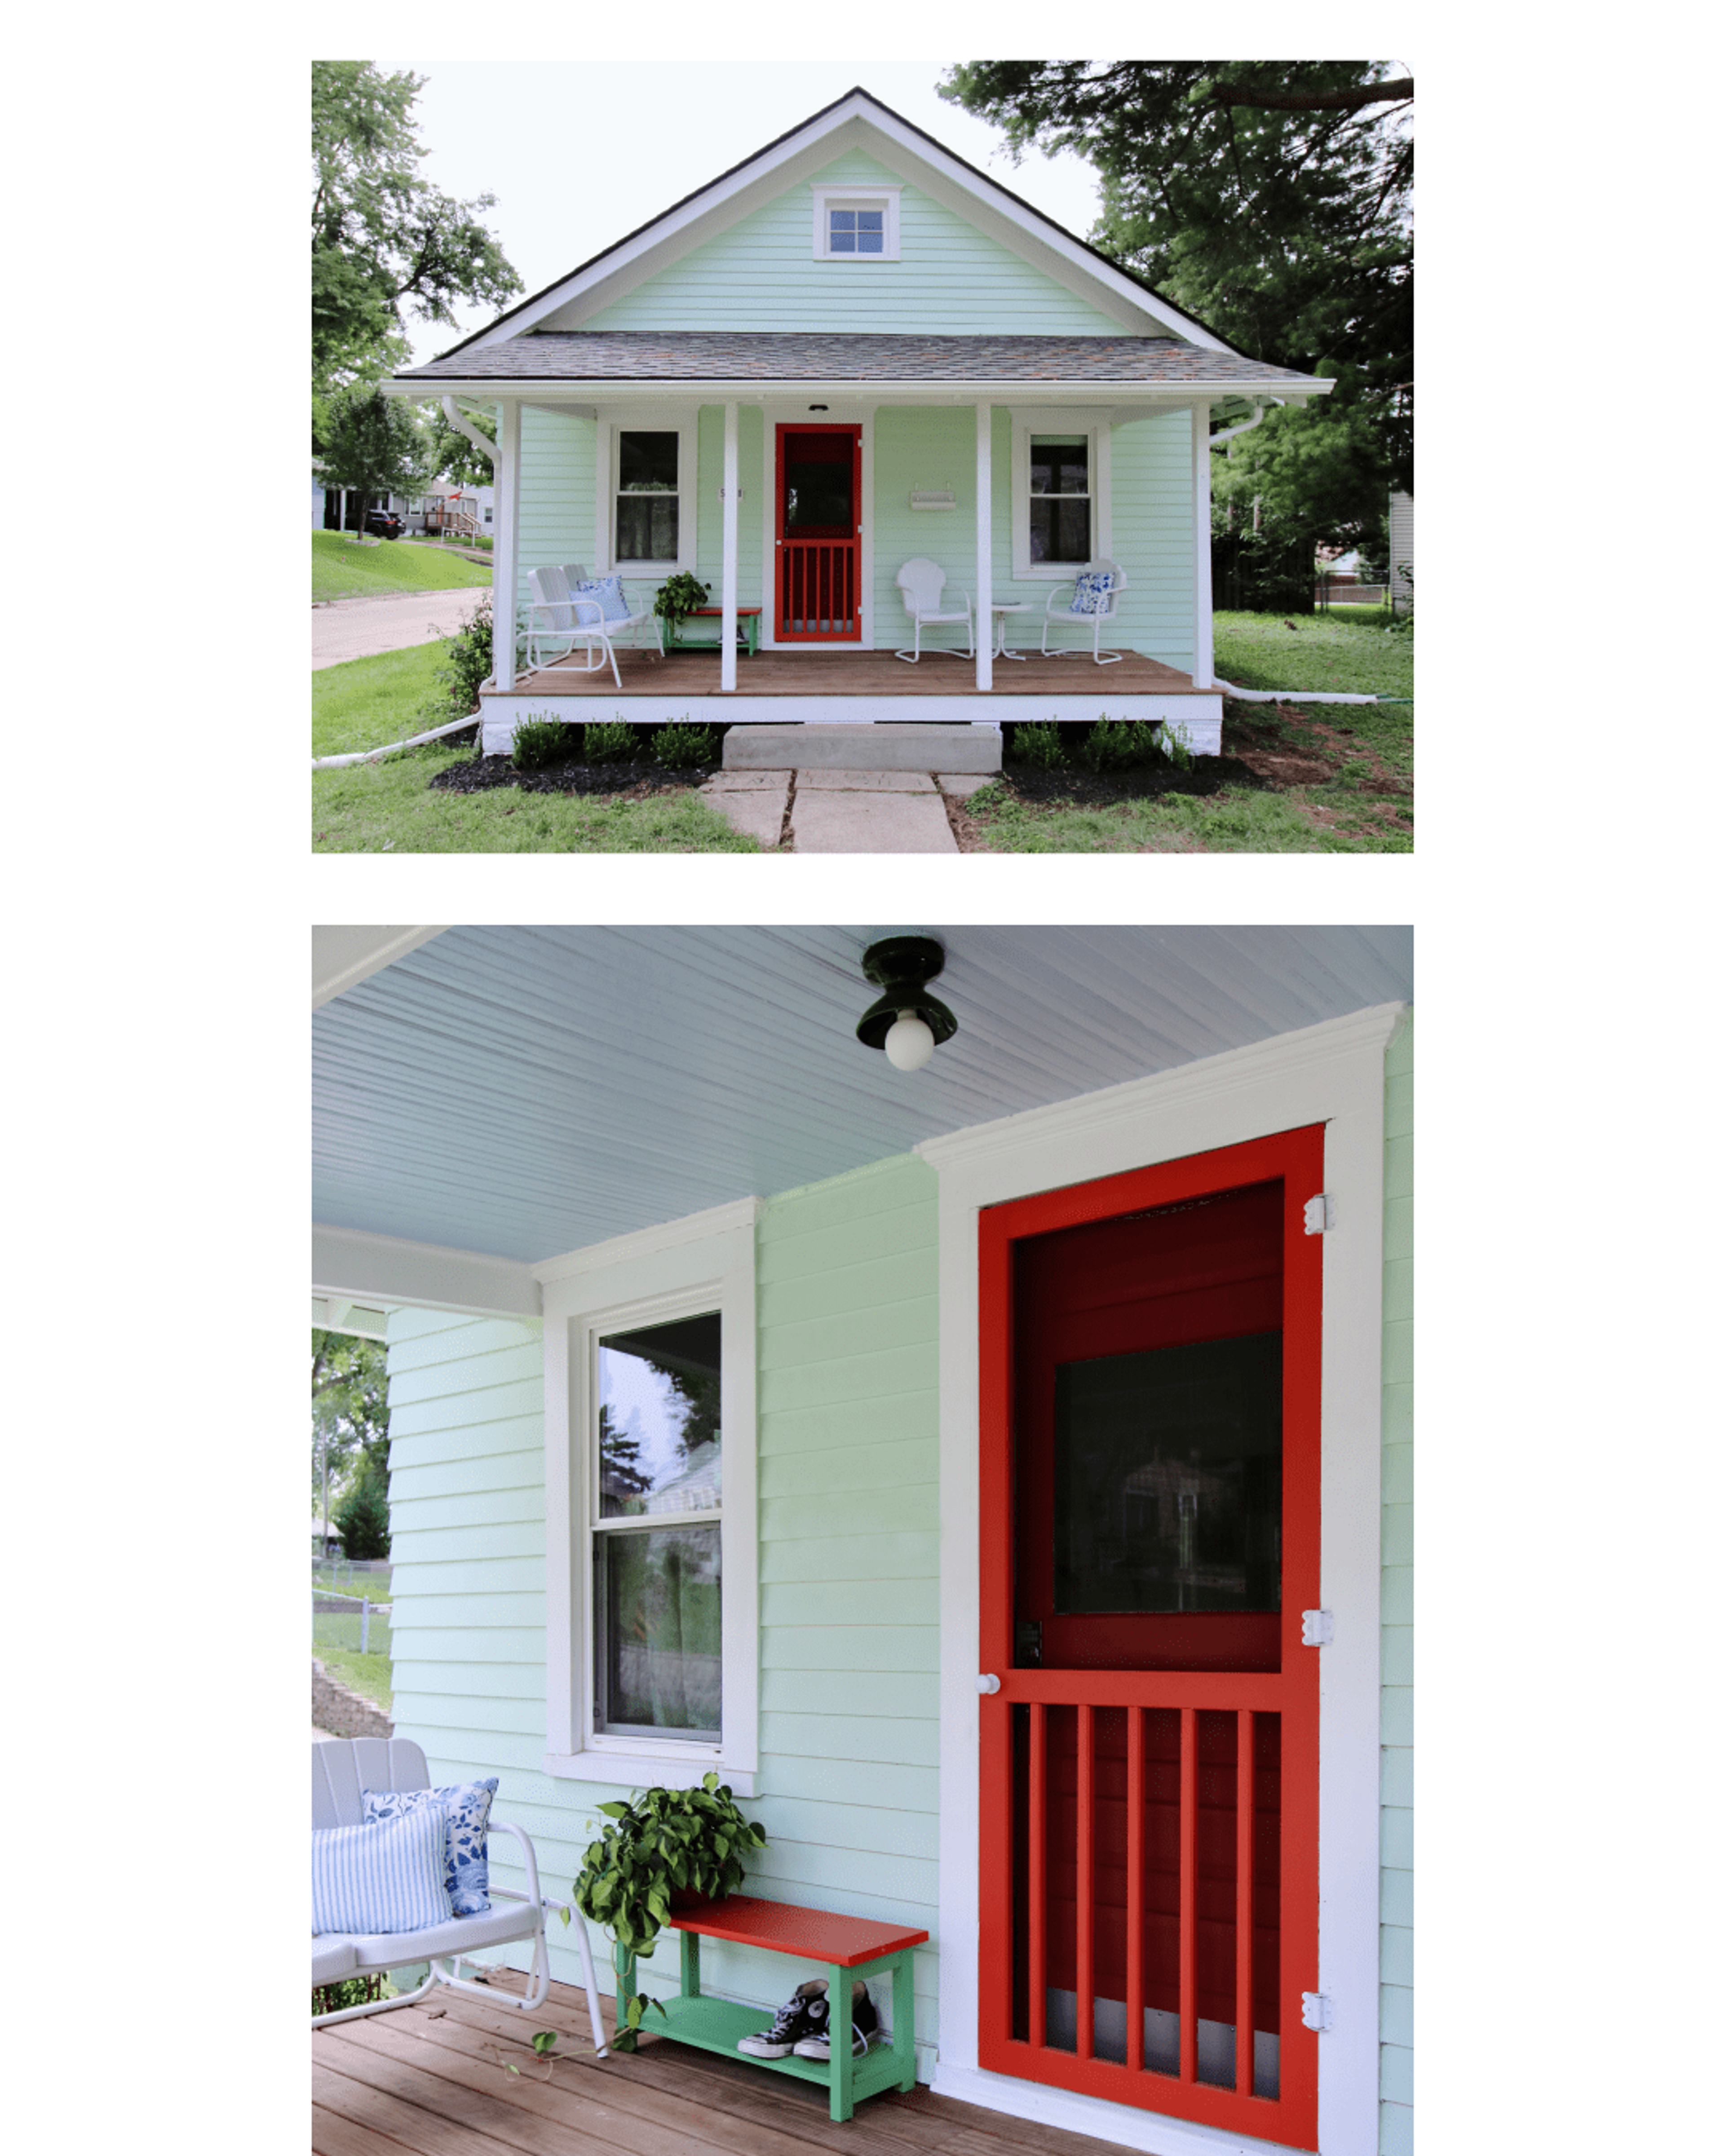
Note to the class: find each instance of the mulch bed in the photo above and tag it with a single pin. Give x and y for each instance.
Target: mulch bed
(636, 779)
(1098, 790)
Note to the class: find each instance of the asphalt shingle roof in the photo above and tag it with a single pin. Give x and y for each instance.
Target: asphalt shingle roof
(797, 355)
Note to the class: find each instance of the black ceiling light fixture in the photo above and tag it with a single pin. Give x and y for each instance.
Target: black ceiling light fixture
(906, 1020)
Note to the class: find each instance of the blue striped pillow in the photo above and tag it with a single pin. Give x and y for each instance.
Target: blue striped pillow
(385, 1877)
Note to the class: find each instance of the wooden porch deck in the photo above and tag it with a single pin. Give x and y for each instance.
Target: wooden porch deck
(831, 672)
(428, 2081)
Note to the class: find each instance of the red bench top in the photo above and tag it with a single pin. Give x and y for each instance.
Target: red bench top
(701, 612)
(817, 1933)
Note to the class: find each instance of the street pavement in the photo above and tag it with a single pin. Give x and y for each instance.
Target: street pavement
(357, 628)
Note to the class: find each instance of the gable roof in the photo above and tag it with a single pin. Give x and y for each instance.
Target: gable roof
(734, 191)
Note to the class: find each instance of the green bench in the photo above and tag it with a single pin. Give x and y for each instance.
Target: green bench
(749, 629)
(843, 1948)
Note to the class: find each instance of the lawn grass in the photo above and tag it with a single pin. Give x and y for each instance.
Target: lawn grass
(370, 1675)
(1330, 819)
(367, 703)
(391, 807)
(341, 569)
(1321, 651)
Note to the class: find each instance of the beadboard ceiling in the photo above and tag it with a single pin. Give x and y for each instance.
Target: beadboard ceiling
(528, 1091)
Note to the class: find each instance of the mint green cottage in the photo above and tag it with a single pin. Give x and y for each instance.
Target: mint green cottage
(572, 1174)
(850, 353)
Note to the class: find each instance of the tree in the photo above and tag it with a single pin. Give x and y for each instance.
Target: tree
(1272, 201)
(350, 1412)
(372, 443)
(364, 1517)
(449, 454)
(385, 244)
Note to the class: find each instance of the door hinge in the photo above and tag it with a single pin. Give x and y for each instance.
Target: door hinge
(1318, 1628)
(1315, 2009)
(1320, 1214)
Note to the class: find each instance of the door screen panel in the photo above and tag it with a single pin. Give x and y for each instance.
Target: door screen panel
(1150, 1456)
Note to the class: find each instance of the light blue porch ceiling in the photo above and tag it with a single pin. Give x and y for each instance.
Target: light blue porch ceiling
(526, 1091)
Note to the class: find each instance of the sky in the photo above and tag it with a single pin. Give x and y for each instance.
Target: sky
(578, 155)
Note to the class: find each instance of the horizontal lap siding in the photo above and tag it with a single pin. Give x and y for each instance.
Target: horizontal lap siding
(1151, 502)
(850, 1559)
(1396, 1847)
(557, 467)
(761, 274)
(467, 1515)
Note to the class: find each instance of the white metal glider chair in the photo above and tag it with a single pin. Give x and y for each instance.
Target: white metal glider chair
(1089, 608)
(922, 583)
(559, 621)
(342, 1770)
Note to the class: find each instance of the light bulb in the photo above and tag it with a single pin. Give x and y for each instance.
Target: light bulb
(909, 1043)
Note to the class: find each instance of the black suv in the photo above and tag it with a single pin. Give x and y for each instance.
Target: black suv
(384, 523)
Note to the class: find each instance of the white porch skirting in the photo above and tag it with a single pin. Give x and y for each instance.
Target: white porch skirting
(1195, 716)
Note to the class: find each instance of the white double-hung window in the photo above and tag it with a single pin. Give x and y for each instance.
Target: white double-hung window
(651, 1571)
(1060, 513)
(646, 492)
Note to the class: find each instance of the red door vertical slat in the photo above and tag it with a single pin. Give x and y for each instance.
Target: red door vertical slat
(1087, 1880)
(1037, 1943)
(1188, 1894)
(1243, 1817)
(1134, 1889)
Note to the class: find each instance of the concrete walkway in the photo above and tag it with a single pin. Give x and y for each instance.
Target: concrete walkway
(843, 812)
(358, 629)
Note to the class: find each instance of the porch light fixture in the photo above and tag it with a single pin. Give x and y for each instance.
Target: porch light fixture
(817, 407)
(906, 1020)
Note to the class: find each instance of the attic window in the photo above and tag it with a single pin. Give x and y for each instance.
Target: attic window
(856, 224)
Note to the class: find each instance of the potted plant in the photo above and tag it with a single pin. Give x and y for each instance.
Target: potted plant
(677, 599)
(663, 1846)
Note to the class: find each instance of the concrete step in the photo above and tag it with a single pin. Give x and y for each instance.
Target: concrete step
(885, 747)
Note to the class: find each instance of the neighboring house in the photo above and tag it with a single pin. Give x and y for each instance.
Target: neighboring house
(755, 1405)
(850, 351)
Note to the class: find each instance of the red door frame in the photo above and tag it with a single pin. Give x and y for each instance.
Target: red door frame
(1290, 2117)
(821, 569)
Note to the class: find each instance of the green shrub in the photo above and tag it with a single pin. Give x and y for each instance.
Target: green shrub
(467, 665)
(1172, 743)
(363, 1520)
(1112, 744)
(608, 739)
(540, 741)
(678, 597)
(350, 1991)
(1039, 744)
(677, 746)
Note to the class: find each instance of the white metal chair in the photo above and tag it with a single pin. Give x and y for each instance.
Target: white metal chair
(922, 583)
(1057, 614)
(558, 622)
(341, 1769)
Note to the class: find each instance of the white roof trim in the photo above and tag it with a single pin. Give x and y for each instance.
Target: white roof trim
(342, 957)
(1031, 234)
(621, 389)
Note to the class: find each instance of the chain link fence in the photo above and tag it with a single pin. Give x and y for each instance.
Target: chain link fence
(351, 1614)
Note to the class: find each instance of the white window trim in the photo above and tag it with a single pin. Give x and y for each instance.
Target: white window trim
(1076, 419)
(684, 421)
(705, 1262)
(856, 198)
(1332, 1074)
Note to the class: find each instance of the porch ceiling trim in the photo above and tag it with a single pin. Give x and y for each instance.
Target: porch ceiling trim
(351, 1266)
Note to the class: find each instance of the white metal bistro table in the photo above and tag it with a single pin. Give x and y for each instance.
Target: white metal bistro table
(1000, 608)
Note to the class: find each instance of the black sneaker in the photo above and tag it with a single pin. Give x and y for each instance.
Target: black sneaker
(865, 2029)
(796, 2023)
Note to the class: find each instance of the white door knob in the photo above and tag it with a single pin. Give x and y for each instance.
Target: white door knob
(987, 1684)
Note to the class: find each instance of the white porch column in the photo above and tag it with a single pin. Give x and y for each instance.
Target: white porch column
(1204, 649)
(507, 480)
(984, 545)
(727, 586)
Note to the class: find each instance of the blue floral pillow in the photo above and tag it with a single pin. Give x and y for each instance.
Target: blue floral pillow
(608, 591)
(1092, 596)
(467, 1872)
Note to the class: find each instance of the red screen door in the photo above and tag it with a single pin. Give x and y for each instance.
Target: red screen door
(818, 579)
(1151, 1449)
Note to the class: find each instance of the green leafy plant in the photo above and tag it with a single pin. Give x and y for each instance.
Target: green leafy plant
(1402, 625)
(608, 739)
(677, 746)
(663, 1842)
(677, 598)
(350, 1991)
(1113, 743)
(540, 741)
(1039, 744)
(1171, 739)
(467, 666)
